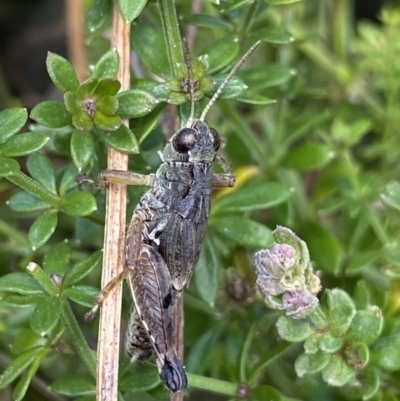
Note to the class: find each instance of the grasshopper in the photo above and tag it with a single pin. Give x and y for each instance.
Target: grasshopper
(166, 233)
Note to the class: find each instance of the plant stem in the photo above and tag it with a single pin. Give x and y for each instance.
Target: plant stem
(170, 26)
(270, 357)
(35, 188)
(87, 355)
(114, 239)
(42, 278)
(76, 38)
(213, 385)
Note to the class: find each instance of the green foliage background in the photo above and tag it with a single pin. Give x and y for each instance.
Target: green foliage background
(322, 160)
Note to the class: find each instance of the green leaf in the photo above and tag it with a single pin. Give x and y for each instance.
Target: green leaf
(56, 259)
(108, 87)
(207, 21)
(391, 196)
(41, 169)
(329, 343)
(86, 89)
(61, 73)
(273, 34)
(337, 372)
(8, 167)
(311, 363)
(280, 2)
(84, 295)
(340, 310)
(253, 196)
(369, 383)
(293, 330)
(130, 10)
(254, 98)
(23, 144)
(86, 398)
(263, 392)
(68, 180)
(139, 378)
(106, 123)
(107, 66)
(79, 204)
(324, 248)
(51, 114)
(308, 156)
(150, 46)
(385, 352)
(366, 325)
(26, 340)
(361, 261)
(107, 104)
(135, 103)
(141, 127)
(82, 269)
(99, 16)
(25, 202)
(24, 382)
(82, 148)
(11, 121)
(20, 283)
(122, 139)
(243, 231)
(21, 301)
(222, 53)
(82, 122)
(73, 386)
(17, 366)
(206, 275)
(46, 315)
(234, 4)
(42, 229)
(357, 354)
(234, 89)
(266, 76)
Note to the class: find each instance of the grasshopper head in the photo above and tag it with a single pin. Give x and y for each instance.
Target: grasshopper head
(197, 144)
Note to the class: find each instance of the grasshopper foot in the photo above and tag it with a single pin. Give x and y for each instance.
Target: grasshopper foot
(89, 316)
(83, 178)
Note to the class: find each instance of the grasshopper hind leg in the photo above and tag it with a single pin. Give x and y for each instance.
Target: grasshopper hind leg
(137, 343)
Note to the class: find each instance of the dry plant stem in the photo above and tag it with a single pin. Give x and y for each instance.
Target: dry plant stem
(192, 29)
(114, 241)
(76, 38)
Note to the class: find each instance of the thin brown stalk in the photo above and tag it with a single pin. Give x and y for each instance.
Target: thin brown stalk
(76, 37)
(114, 241)
(191, 30)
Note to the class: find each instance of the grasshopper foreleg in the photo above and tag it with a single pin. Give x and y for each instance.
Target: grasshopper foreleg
(117, 177)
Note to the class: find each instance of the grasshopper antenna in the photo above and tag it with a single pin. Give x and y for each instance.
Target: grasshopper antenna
(191, 82)
(227, 79)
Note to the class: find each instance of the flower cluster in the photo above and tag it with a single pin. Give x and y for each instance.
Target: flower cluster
(179, 87)
(94, 103)
(285, 277)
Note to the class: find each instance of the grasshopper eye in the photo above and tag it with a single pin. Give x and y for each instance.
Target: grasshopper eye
(214, 138)
(184, 140)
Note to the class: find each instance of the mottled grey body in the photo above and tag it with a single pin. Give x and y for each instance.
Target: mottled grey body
(172, 217)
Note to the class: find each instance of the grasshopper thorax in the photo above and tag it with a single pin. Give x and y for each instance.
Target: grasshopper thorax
(195, 144)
